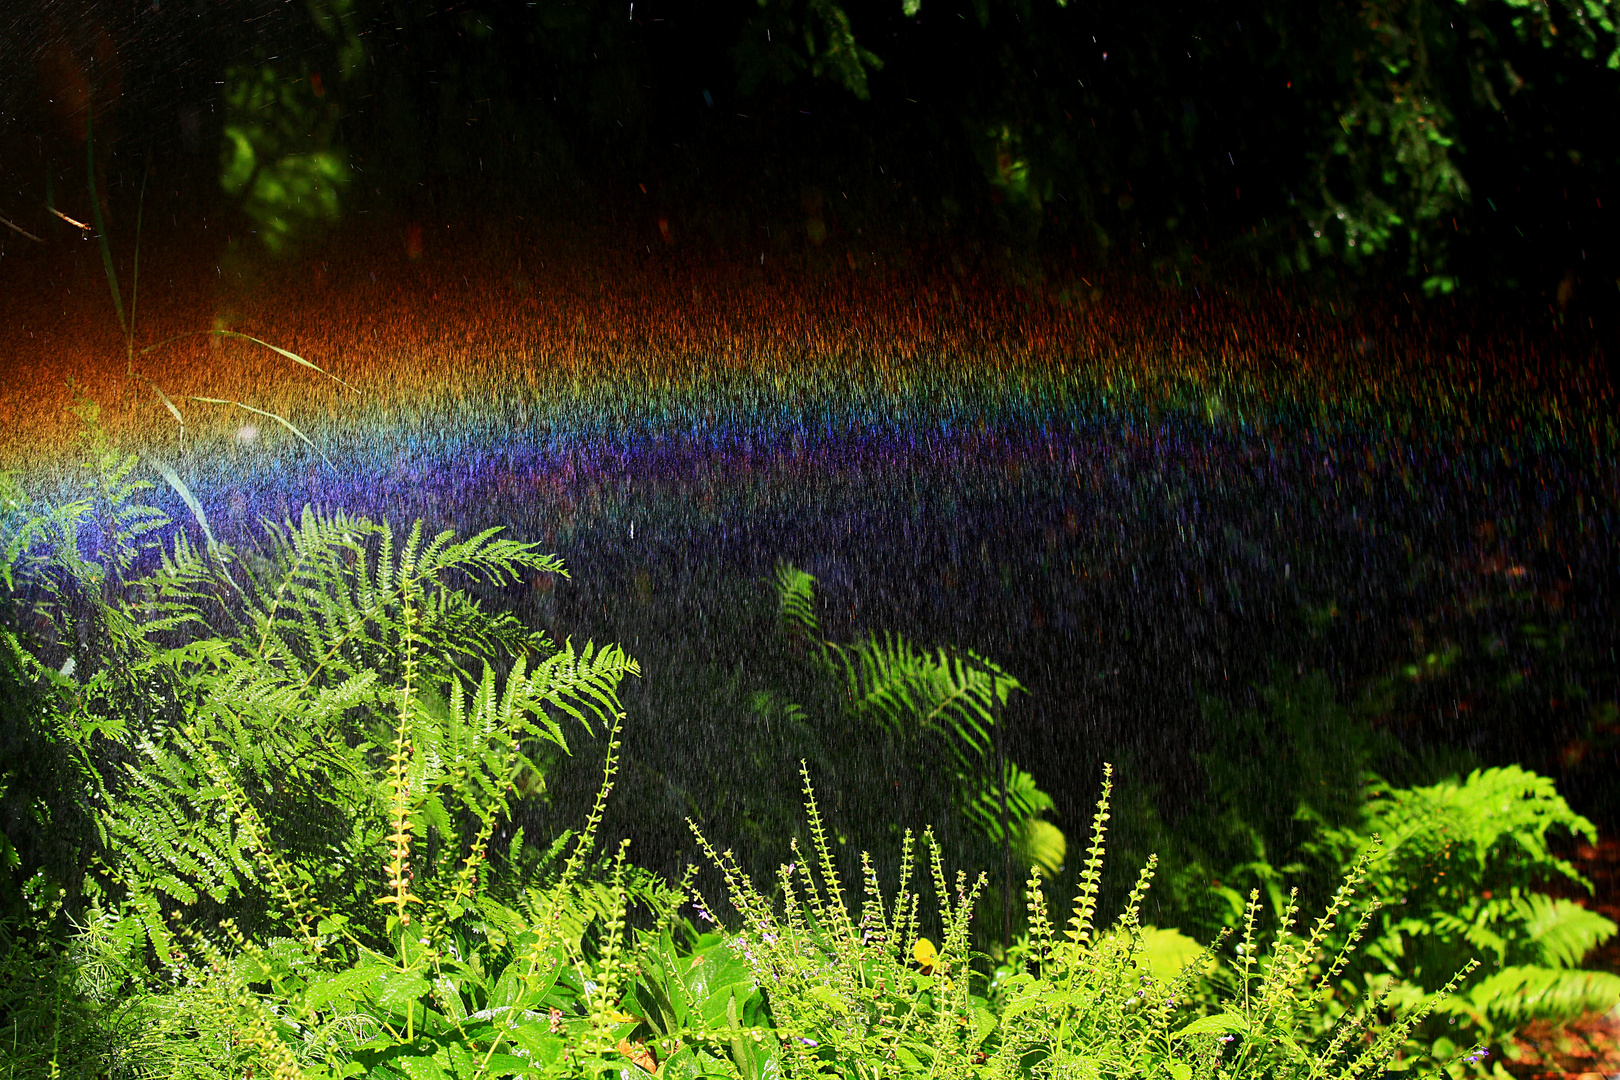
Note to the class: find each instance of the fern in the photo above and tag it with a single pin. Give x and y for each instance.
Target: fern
(796, 593)
(223, 694)
(1519, 994)
(323, 749)
(1496, 818)
(1560, 931)
(913, 693)
(929, 701)
(1035, 842)
(1459, 874)
(328, 730)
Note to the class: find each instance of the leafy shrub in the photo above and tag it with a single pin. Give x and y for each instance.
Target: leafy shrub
(942, 706)
(299, 764)
(1459, 878)
(868, 995)
(295, 783)
(1462, 876)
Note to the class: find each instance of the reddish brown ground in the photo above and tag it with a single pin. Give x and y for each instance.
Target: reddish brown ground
(1589, 1048)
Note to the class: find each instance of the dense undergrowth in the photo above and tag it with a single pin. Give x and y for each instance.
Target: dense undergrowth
(258, 819)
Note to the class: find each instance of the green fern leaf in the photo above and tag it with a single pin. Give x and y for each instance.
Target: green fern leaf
(1518, 995)
(796, 595)
(1562, 931)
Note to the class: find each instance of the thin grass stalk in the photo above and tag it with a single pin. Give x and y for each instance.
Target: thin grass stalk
(101, 226)
(135, 281)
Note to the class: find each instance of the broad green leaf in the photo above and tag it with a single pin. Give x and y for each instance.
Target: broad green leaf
(538, 1042)
(463, 1065)
(710, 983)
(1167, 952)
(399, 988)
(908, 1061)
(418, 1067)
(984, 1022)
(1222, 1023)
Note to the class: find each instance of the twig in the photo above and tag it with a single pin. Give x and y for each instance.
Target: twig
(20, 229)
(64, 217)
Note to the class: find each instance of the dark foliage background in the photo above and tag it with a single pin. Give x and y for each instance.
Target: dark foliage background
(1417, 143)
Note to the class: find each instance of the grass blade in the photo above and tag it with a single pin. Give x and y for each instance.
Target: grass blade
(101, 226)
(186, 496)
(294, 357)
(273, 416)
(197, 511)
(165, 399)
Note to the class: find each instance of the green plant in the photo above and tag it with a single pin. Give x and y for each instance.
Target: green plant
(942, 706)
(836, 56)
(842, 995)
(281, 160)
(1461, 875)
(868, 995)
(299, 762)
(1275, 773)
(127, 322)
(265, 741)
(700, 1008)
(1295, 802)
(77, 1000)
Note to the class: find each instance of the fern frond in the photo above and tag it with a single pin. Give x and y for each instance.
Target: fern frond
(581, 685)
(796, 599)
(1041, 846)
(1561, 930)
(254, 836)
(37, 528)
(1495, 814)
(909, 692)
(1024, 799)
(1519, 994)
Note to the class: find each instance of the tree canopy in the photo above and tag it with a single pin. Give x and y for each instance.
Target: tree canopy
(1441, 142)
